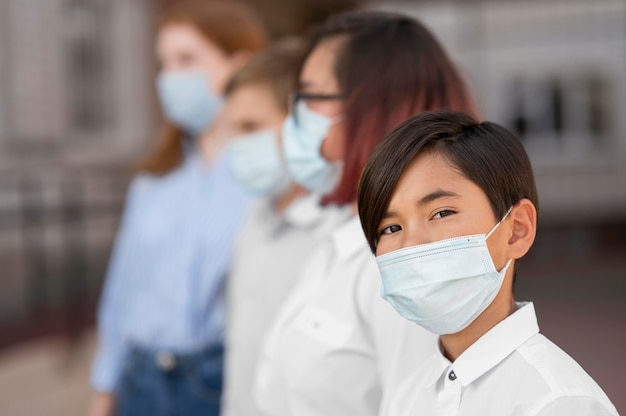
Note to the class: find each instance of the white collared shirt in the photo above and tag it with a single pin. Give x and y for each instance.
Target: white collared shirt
(269, 254)
(337, 348)
(511, 370)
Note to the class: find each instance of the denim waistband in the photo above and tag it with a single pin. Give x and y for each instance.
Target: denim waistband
(168, 360)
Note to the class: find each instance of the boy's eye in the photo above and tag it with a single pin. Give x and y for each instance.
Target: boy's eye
(443, 213)
(390, 229)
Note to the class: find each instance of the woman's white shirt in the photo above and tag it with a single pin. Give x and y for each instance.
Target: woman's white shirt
(336, 347)
(268, 257)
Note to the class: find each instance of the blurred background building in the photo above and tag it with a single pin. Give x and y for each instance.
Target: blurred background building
(555, 73)
(77, 107)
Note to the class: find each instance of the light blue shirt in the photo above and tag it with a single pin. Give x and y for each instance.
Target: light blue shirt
(164, 285)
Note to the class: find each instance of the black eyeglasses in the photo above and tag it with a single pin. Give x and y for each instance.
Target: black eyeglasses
(297, 96)
(303, 96)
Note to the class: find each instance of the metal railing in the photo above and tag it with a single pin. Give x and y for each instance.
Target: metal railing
(55, 237)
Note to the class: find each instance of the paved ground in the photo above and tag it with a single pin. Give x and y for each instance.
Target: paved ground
(45, 378)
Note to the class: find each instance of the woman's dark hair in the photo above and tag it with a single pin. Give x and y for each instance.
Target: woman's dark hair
(485, 153)
(388, 67)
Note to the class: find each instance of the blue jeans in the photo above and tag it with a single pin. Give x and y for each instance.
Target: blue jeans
(165, 384)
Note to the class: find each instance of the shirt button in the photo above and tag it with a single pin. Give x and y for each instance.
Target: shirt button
(165, 361)
(451, 375)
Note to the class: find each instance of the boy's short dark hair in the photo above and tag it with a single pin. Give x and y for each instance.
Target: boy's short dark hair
(485, 153)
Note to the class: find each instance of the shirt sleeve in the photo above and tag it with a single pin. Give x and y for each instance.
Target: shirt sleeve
(401, 346)
(576, 406)
(109, 358)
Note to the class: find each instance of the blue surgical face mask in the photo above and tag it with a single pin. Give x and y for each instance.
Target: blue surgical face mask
(442, 286)
(187, 100)
(303, 135)
(256, 162)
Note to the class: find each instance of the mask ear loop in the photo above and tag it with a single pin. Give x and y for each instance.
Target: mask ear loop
(506, 266)
(508, 263)
(498, 224)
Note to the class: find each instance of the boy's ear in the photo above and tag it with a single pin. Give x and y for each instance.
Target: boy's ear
(523, 229)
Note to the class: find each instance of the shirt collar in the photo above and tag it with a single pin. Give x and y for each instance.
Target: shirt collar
(304, 212)
(189, 145)
(349, 238)
(492, 348)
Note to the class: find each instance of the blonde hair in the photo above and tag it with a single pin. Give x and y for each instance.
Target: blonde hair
(276, 67)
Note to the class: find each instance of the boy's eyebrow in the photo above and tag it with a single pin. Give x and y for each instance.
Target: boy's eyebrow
(433, 196)
(388, 214)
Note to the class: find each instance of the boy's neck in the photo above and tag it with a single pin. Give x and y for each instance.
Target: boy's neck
(455, 344)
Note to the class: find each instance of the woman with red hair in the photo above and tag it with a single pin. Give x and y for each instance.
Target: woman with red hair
(160, 321)
(336, 348)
